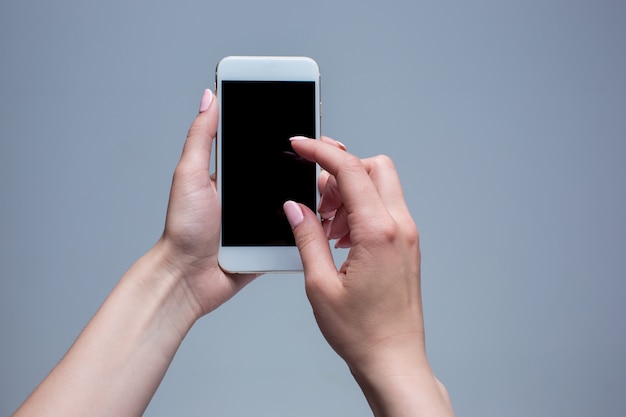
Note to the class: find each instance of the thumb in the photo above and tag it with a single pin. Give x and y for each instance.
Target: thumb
(197, 149)
(312, 243)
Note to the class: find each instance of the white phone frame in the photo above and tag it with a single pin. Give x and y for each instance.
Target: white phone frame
(263, 259)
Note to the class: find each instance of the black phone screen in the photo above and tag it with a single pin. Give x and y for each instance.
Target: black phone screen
(259, 170)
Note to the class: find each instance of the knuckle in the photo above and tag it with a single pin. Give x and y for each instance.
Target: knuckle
(182, 170)
(386, 230)
(390, 232)
(351, 163)
(383, 162)
(306, 242)
(313, 286)
(186, 172)
(411, 235)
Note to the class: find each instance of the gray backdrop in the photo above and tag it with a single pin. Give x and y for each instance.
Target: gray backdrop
(507, 121)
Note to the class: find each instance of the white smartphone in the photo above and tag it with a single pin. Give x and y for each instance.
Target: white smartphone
(263, 101)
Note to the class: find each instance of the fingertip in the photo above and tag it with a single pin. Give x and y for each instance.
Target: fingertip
(299, 138)
(344, 242)
(310, 238)
(322, 180)
(294, 213)
(327, 154)
(207, 100)
(197, 148)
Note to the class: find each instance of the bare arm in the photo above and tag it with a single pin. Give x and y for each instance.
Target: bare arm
(118, 361)
(120, 358)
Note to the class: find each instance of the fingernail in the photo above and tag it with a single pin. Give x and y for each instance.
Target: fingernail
(327, 226)
(299, 138)
(334, 142)
(340, 244)
(294, 214)
(207, 99)
(319, 206)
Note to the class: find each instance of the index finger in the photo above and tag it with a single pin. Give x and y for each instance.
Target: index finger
(354, 184)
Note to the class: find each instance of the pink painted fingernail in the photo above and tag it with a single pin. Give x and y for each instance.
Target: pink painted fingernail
(299, 138)
(294, 214)
(340, 244)
(207, 99)
(327, 225)
(321, 201)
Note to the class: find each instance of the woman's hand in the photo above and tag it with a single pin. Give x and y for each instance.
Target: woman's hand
(192, 228)
(119, 359)
(369, 310)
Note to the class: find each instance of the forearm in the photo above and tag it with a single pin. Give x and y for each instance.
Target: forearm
(419, 395)
(118, 361)
(401, 383)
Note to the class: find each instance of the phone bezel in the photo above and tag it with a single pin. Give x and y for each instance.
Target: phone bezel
(263, 259)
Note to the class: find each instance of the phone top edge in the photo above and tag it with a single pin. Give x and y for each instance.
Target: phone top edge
(237, 67)
(265, 57)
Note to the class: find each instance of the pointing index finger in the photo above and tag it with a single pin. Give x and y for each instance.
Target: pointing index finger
(354, 184)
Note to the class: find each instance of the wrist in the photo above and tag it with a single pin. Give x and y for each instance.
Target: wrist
(159, 277)
(397, 380)
(127, 345)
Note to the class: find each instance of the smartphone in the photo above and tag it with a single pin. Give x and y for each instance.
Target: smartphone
(263, 101)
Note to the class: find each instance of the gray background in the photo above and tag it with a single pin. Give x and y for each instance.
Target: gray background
(507, 121)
